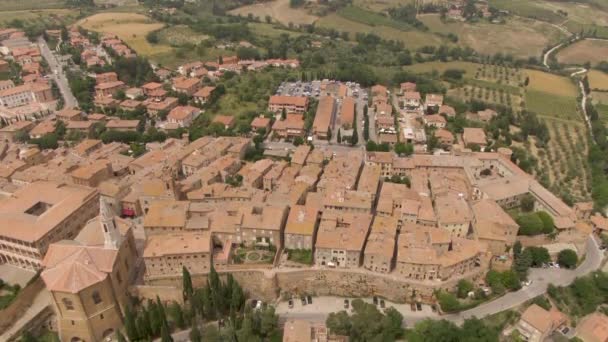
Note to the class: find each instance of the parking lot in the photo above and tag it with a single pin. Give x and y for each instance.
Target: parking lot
(324, 305)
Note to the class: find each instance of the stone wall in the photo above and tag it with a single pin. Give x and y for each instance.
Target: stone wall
(268, 285)
(44, 320)
(19, 306)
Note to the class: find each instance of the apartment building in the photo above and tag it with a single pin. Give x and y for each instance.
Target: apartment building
(340, 239)
(291, 104)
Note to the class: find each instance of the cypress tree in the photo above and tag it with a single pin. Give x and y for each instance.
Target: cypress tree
(130, 324)
(165, 335)
(120, 337)
(187, 284)
(195, 335)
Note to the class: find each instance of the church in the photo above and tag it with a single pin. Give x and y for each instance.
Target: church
(88, 277)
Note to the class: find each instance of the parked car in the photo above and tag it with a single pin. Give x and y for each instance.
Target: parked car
(309, 297)
(346, 304)
(290, 303)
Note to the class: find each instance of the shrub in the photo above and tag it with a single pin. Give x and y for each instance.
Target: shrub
(548, 224)
(567, 258)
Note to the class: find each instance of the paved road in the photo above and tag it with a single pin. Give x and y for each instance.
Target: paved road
(541, 278)
(59, 78)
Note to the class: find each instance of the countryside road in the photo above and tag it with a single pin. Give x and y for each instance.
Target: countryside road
(59, 77)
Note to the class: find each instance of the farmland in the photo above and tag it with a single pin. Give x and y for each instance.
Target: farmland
(279, 10)
(519, 36)
(411, 39)
(130, 27)
(21, 5)
(551, 84)
(46, 16)
(179, 35)
(381, 5)
(598, 80)
(592, 51)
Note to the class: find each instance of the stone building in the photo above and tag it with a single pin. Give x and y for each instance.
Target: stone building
(166, 255)
(301, 227)
(380, 248)
(341, 238)
(40, 214)
(88, 278)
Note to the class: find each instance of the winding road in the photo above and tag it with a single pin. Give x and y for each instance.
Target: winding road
(541, 278)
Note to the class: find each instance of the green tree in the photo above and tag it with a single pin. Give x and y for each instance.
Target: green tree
(522, 263)
(527, 203)
(548, 224)
(269, 321)
(464, 287)
(540, 255)
(165, 334)
(130, 327)
(403, 149)
(529, 224)
(195, 335)
(510, 279)
(177, 315)
(517, 249)
(120, 337)
(567, 258)
(494, 279)
(187, 284)
(448, 302)
(339, 323)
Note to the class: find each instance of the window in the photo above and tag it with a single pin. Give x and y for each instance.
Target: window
(96, 297)
(69, 305)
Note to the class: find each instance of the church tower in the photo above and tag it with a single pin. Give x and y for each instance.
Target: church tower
(112, 237)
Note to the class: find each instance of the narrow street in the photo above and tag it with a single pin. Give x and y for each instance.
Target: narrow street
(57, 74)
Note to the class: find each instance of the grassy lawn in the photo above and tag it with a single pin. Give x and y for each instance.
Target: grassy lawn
(519, 37)
(592, 51)
(411, 39)
(598, 80)
(551, 84)
(302, 256)
(603, 111)
(551, 105)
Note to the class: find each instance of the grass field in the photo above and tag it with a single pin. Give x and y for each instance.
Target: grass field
(530, 9)
(551, 84)
(381, 5)
(269, 30)
(598, 80)
(519, 37)
(18, 5)
(279, 10)
(179, 35)
(130, 27)
(581, 52)
(411, 39)
(428, 67)
(551, 105)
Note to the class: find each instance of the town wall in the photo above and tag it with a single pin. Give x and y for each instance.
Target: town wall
(269, 285)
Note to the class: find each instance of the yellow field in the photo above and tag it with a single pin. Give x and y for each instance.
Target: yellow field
(412, 39)
(279, 10)
(550, 84)
(598, 80)
(519, 37)
(130, 27)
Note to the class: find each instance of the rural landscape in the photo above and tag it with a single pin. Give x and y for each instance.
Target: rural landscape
(303, 170)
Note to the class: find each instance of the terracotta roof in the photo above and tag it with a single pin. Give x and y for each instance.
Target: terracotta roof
(288, 100)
